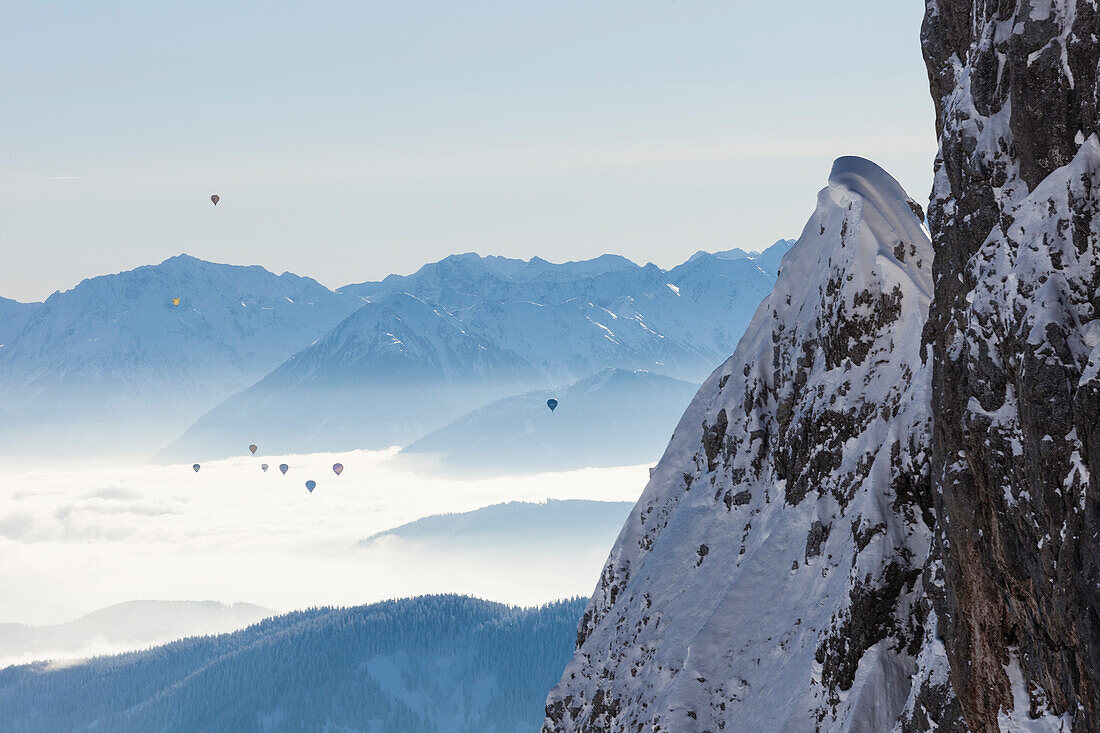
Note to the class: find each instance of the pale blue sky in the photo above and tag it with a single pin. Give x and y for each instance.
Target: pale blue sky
(349, 140)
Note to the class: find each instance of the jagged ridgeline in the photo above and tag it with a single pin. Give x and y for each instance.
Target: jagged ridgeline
(769, 576)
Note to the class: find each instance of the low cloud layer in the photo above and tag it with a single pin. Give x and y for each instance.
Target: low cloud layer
(75, 541)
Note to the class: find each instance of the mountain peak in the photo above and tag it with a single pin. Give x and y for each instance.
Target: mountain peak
(183, 257)
(767, 260)
(790, 476)
(119, 353)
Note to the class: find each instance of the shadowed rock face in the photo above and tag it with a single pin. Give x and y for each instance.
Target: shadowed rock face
(1015, 392)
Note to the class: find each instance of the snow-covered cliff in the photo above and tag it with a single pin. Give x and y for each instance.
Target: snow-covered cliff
(768, 578)
(1015, 337)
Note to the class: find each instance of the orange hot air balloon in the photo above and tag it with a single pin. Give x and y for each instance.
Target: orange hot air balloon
(215, 199)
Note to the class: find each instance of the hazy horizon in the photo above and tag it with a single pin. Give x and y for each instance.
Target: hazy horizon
(351, 141)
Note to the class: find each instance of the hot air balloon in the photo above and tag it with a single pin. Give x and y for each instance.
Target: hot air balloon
(196, 467)
(338, 468)
(175, 301)
(263, 467)
(284, 468)
(215, 199)
(311, 485)
(253, 448)
(551, 403)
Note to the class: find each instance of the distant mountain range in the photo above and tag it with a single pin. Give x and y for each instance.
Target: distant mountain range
(420, 664)
(469, 330)
(557, 525)
(113, 366)
(612, 418)
(134, 624)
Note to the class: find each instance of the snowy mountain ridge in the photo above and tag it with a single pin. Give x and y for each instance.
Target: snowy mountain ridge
(467, 331)
(115, 361)
(767, 260)
(768, 576)
(112, 365)
(13, 317)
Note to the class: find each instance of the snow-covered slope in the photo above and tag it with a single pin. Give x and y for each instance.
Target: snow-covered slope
(603, 312)
(386, 375)
(434, 663)
(767, 579)
(13, 316)
(468, 330)
(613, 418)
(462, 280)
(113, 365)
(768, 260)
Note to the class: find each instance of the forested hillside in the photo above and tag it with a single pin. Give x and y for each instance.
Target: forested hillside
(433, 663)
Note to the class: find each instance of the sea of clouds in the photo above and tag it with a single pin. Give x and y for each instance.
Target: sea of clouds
(73, 541)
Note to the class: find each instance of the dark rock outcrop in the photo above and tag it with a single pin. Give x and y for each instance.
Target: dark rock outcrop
(1016, 449)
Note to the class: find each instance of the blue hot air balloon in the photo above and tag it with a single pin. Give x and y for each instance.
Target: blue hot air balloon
(284, 468)
(311, 485)
(551, 403)
(338, 468)
(196, 467)
(263, 467)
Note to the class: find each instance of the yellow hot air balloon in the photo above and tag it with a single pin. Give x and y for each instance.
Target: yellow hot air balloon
(215, 199)
(175, 301)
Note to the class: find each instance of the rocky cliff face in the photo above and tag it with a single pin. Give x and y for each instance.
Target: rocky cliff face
(769, 576)
(1016, 393)
(852, 530)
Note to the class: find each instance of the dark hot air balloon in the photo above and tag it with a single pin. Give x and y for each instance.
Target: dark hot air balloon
(253, 448)
(338, 468)
(215, 199)
(196, 467)
(311, 485)
(284, 468)
(551, 403)
(263, 467)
